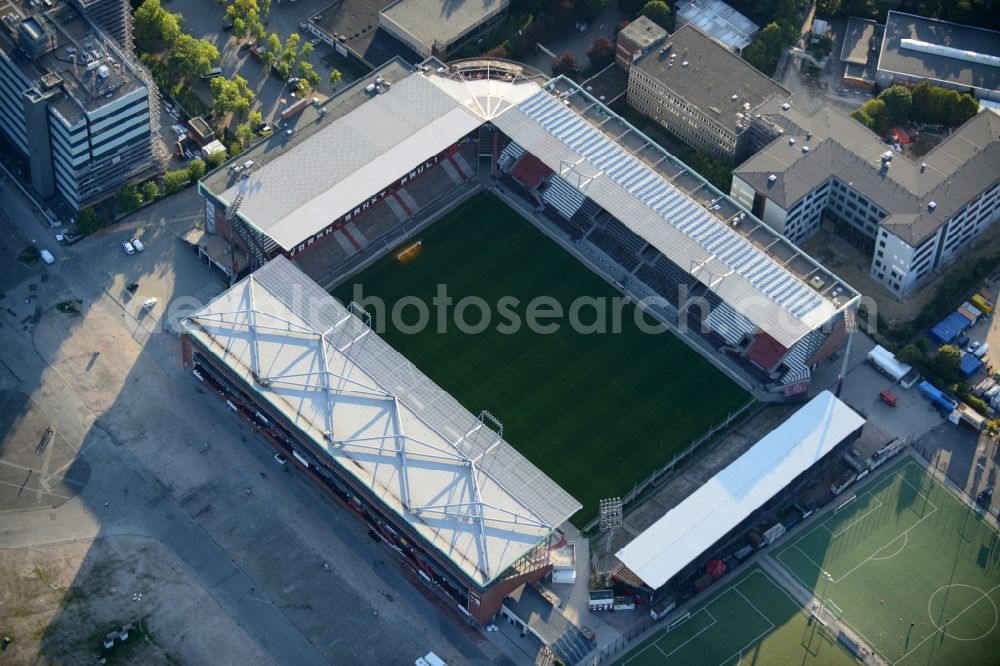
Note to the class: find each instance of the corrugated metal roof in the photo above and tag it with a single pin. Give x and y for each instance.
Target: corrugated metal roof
(728, 498)
(434, 465)
(753, 283)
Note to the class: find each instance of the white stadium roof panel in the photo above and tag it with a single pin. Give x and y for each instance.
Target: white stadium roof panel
(298, 193)
(316, 182)
(728, 498)
(679, 227)
(455, 481)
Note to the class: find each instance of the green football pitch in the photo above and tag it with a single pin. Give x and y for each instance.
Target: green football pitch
(751, 621)
(911, 568)
(595, 411)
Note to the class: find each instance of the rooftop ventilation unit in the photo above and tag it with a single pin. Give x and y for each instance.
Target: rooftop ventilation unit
(786, 106)
(931, 206)
(805, 149)
(103, 71)
(684, 64)
(734, 97)
(771, 179)
(791, 141)
(923, 166)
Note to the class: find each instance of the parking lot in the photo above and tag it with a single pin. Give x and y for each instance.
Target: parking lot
(128, 458)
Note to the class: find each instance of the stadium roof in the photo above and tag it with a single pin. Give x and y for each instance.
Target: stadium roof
(451, 478)
(732, 495)
(959, 55)
(719, 21)
(744, 275)
(289, 198)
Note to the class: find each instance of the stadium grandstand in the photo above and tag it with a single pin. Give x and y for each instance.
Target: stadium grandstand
(401, 144)
(467, 512)
(711, 524)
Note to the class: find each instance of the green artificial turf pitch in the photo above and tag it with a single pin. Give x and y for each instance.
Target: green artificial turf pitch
(751, 621)
(595, 412)
(913, 569)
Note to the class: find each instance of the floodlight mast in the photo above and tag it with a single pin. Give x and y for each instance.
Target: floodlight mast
(610, 516)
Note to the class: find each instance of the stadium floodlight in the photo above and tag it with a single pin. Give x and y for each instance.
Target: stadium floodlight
(610, 516)
(610, 513)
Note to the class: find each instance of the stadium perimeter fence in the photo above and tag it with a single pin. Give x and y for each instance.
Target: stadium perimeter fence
(659, 472)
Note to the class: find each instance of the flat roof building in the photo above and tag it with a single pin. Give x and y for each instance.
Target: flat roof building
(80, 107)
(859, 52)
(432, 479)
(951, 55)
(910, 215)
(438, 28)
(701, 91)
(636, 38)
(684, 538)
(717, 20)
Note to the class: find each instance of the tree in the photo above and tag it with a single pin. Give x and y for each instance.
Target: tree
(256, 119)
(175, 181)
(129, 199)
(565, 64)
(947, 362)
(336, 77)
(589, 9)
(195, 169)
(308, 76)
(230, 95)
(910, 355)
(150, 191)
(601, 52)
(874, 115)
(153, 23)
(827, 8)
(87, 222)
(967, 108)
(291, 49)
(766, 48)
(215, 159)
(193, 56)
(658, 12)
(898, 102)
(244, 135)
(244, 15)
(306, 51)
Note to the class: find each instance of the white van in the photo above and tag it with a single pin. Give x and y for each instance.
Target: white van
(47, 257)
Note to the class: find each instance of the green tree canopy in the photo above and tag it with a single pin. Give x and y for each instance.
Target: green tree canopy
(336, 78)
(230, 95)
(192, 56)
(150, 191)
(766, 48)
(174, 181)
(947, 362)
(153, 23)
(898, 102)
(195, 169)
(658, 12)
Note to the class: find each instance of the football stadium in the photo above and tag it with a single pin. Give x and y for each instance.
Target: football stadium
(493, 181)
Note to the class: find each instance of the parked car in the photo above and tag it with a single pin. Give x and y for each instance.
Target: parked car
(47, 257)
(280, 459)
(137, 244)
(264, 129)
(315, 41)
(128, 247)
(227, 27)
(245, 46)
(149, 303)
(973, 347)
(293, 82)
